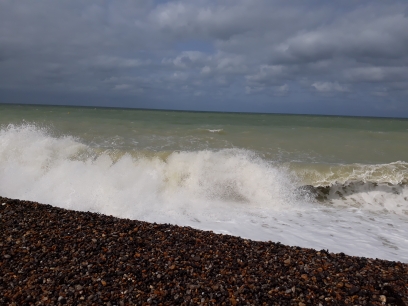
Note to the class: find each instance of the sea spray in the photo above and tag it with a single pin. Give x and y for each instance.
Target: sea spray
(30, 157)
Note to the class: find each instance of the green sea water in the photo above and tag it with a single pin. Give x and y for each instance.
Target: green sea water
(305, 143)
(279, 137)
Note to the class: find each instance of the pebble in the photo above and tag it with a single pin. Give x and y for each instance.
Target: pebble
(53, 256)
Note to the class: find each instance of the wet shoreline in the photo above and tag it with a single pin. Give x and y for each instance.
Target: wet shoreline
(52, 256)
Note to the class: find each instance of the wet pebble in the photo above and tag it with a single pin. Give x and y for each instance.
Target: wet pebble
(52, 256)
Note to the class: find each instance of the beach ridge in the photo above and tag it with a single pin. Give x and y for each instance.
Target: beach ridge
(52, 256)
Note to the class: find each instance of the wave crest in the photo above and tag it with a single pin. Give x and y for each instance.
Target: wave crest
(372, 196)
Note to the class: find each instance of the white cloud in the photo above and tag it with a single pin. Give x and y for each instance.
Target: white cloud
(122, 86)
(108, 62)
(329, 87)
(254, 89)
(377, 74)
(270, 76)
(206, 70)
(282, 90)
(179, 76)
(187, 59)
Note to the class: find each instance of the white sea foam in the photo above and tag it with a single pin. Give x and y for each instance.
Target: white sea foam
(206, 130)
(229, 191)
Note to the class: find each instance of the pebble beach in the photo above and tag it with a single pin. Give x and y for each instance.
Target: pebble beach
(53, 256)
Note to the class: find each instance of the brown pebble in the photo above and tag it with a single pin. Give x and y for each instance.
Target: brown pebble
(55, 256)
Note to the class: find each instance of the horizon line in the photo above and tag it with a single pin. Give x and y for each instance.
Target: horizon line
(201, 111)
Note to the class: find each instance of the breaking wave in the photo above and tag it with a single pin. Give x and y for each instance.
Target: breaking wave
(35, 165)
(373, 196)
(64, 171)
(232, 191)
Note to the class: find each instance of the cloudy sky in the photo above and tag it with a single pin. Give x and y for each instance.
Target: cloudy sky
(324, 57)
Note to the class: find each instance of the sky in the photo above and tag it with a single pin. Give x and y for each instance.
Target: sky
(343, 57)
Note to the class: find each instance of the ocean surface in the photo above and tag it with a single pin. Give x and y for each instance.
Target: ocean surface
(336, 183)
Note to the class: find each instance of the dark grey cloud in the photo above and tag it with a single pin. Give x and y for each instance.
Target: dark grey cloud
(291, 56)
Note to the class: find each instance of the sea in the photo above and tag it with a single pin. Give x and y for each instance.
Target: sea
(323, 182)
